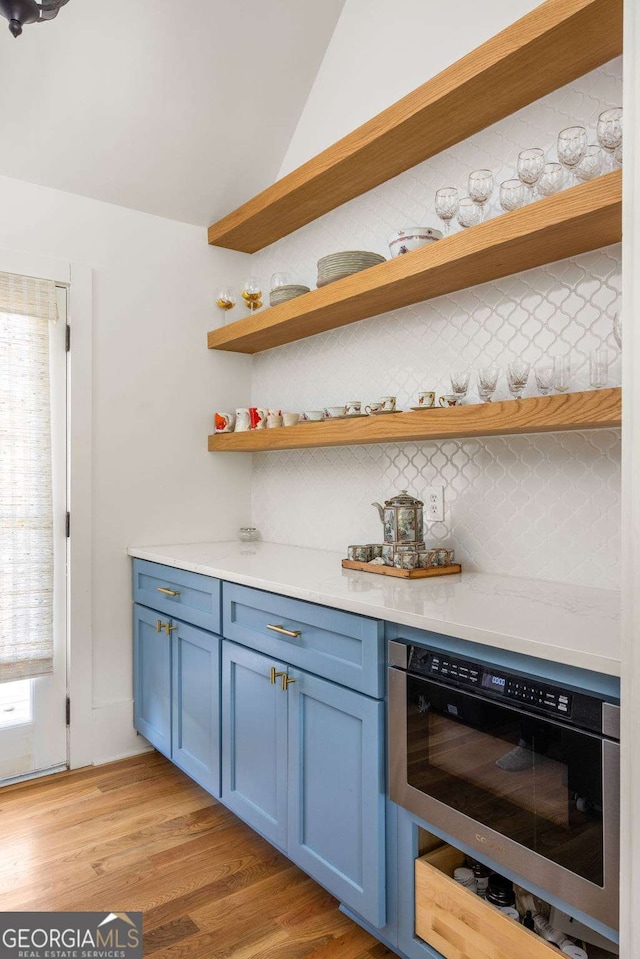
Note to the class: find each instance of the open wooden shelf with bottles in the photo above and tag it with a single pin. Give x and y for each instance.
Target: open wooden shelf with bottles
(595, 409)
(552, 45)
(582, 218)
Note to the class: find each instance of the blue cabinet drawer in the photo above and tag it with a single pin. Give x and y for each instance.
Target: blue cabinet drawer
(190, 597)
(343, 647)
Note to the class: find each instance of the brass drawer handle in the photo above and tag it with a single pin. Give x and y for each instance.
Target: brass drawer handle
(159, 626)
(167, 591)
(286, 682)
(169, 629)
(273, 675)
(285, 632)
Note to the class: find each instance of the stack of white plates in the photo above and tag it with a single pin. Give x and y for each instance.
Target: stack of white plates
(282, 293)
(338, 265)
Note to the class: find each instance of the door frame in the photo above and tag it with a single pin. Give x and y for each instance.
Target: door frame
(78, 280)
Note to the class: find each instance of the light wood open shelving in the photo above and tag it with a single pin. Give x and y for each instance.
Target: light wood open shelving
(597, 409)
(554, 44)
(582, 218)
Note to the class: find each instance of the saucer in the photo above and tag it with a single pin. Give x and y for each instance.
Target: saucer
(381, 412)
(421, 409)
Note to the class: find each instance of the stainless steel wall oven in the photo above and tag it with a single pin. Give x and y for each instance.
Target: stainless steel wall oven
(516, 767)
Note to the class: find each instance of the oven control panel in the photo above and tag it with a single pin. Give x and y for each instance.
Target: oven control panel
(503, 685)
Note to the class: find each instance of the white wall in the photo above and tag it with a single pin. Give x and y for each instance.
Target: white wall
(155, 387)
(381, 51)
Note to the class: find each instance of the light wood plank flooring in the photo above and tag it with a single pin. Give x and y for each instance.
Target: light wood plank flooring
(139, 835)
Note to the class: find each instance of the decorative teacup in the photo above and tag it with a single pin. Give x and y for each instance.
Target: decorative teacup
(224, 422)
(333, 412)
(243, 419)
(388, 403)
(353, 408)
(258, 418)
(359, 554)
(406, 560)
(274, 418)
(290, 419)
(388, 554)
(449, 399)
(313, 416)
(373, 407)
(427, 399)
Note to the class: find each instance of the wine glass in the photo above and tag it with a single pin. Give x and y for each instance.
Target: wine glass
(487, 382)
(561, 373)
(226, 299)
(469, 213)
(280, 279)
(517, 377)
(480, 187)
(590, 165)
(447, 206)
(617, 154)
(544, 377)
(460, 383)
(609, 131)
(572, 145)
(252, 293)
(530, 167)
(598, 368)
(551, 180)
(511, 195)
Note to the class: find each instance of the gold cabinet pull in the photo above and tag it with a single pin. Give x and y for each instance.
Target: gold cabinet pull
(286, 682)
(273, 675)
(167, 591)
(159, 626)
(285, 632)
(169, 629)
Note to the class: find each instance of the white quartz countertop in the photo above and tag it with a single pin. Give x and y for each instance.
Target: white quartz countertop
(574, 625)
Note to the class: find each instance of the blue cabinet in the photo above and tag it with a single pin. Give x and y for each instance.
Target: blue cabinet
(254, 741)
(337, 791)
(152, 679)
(304, 766)
(195, 656)
(177, 693)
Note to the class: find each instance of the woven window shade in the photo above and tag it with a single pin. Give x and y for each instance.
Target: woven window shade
(27, 306)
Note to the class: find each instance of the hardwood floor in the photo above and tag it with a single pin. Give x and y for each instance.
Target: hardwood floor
(139, 835)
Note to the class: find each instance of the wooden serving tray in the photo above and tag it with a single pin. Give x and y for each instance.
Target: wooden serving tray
(403, 573)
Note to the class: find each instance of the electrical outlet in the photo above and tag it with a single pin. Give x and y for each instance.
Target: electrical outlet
(434, 504)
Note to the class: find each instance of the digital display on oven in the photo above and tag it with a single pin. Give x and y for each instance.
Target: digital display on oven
(495, 683)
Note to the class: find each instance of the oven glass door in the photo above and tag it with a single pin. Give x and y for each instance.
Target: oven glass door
(534, 781)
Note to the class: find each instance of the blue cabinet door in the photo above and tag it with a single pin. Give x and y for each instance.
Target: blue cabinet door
(336, 792)
(254, 741)
(152, 679)
(196, 704)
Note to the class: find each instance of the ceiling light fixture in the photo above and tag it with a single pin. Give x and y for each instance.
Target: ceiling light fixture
(21, 12)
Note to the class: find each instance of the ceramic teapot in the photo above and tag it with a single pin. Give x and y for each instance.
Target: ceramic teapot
(402, 519)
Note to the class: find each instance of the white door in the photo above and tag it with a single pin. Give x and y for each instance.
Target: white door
(33, 728)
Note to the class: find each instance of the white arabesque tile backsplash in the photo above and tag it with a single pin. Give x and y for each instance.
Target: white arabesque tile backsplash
(545, 506)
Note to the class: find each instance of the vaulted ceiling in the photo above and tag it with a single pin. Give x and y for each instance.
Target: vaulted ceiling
(178, 109)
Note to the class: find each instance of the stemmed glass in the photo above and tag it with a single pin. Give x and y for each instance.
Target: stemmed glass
(447, 203)
(544, 377)
(469, 213)
(561, 373)
(460, 383)
(280, 279)
(609, 130)
(511, 195)
(252, 293)
(530, 167)
(590, 165)
(517, 377)
(572, 145)
(551, 180)
(480, 188)
(226, 299)
(598, 368)
(487, 382)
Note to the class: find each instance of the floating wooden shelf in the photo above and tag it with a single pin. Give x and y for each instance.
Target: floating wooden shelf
(582, 218)
(541, 414)
(549, 47)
